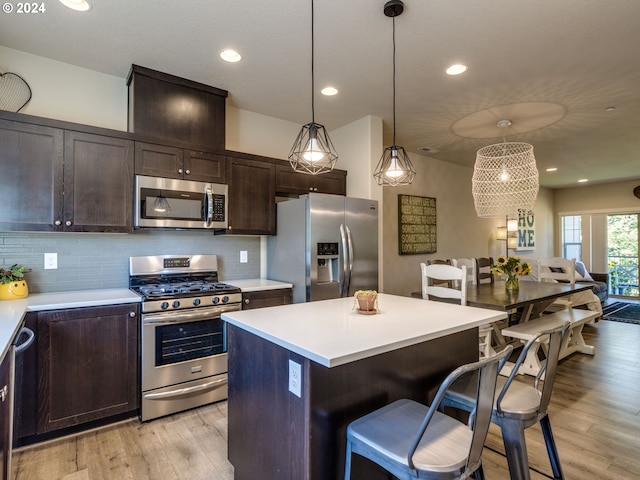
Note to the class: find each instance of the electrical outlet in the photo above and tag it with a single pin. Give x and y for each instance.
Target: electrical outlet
(244, 258)
(50, 261)
(295, 378)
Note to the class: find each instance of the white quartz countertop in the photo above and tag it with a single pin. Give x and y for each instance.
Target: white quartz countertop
(12, 311)
(332, 333)
(257, 284)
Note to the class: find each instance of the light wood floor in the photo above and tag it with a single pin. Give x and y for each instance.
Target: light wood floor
(595, 415)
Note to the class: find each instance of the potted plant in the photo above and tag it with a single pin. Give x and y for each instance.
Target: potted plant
(13, 286)
(366, 301)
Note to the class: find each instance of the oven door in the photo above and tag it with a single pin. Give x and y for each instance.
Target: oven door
(184, 360)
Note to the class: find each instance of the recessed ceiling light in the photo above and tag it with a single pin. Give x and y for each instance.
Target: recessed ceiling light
(582, 180)
(329, 91)
(79, 5)
(610, 109)
(230, 55)
(456, 69)
(552, 169)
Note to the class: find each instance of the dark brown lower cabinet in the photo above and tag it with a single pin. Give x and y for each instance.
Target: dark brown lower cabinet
(267, 298)
(87, 365)
(6, 391)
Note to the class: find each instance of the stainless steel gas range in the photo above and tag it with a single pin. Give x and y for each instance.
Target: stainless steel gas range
(183, 338)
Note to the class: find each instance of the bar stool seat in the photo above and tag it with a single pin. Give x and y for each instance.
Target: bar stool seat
(411, 440)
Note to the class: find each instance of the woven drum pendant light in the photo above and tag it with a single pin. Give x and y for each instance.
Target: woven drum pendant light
(313, 152)
(395, 167)
(505, 178)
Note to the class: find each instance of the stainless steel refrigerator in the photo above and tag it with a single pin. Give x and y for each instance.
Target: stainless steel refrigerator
(326, 246)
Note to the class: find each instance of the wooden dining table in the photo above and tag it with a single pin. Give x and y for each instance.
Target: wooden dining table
(528, 301)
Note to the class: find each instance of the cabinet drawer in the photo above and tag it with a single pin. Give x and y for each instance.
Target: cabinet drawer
(267, 298)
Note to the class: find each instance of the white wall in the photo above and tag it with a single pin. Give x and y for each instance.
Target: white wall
(70, 93)
(259, 134)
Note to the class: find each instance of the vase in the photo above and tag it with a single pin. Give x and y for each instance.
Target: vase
(512, 282)
(367, 304)
(14, 290)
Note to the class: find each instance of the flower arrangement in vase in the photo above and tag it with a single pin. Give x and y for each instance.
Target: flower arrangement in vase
(366, 302)
(13, 286)
(512, 268)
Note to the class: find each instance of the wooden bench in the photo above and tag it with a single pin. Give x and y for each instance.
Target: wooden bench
(573, 341)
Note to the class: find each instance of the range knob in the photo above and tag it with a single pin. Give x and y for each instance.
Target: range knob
(216, 300)
(164, 305)
(225, 299)
(175, 304)
(196, 302)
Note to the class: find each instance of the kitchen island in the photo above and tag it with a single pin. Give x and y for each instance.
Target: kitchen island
(298, 374)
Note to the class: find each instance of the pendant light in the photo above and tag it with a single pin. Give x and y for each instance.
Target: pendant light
(312, 152)
(505, 178)
(394, 167)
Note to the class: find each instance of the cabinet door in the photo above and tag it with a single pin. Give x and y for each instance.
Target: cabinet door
(290, 182)
(98, 183)
(159, 161)
(204, 167)
(267, 298)
(31, 176)
(6, 391)
(252, 198)
(87, 365)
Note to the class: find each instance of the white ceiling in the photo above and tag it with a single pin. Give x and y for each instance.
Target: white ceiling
(552, 67)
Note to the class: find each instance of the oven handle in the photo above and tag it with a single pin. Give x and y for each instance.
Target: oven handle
(184, 316)
(181, 392)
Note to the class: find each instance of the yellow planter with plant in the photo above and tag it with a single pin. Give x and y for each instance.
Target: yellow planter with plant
(13, 286)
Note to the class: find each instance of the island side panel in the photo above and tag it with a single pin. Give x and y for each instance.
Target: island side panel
(273, 434)
(268, 430)
(342, 394)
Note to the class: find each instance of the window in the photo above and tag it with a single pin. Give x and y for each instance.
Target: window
(572, 237)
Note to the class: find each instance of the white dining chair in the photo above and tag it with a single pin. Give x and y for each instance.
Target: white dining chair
(470, 263)
(557, 269)
(434, 275)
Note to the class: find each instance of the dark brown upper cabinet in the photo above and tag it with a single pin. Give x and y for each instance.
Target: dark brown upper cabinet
(164, 107)
(98, 184)
(55, 179)
(252, 197)
(31, 158)
(175, 162)
(289, 182)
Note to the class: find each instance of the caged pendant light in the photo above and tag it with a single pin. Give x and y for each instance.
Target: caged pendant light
(505, 178)
(394, 167)
(312, 152)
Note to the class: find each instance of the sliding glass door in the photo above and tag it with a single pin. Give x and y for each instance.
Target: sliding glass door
(622, 254)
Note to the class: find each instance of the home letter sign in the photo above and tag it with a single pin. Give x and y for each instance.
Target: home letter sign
(526, 230)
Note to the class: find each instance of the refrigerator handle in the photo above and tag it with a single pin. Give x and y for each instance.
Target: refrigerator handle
(349, 262)
(343, 260)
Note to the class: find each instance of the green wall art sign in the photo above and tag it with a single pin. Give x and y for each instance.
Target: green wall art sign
(416, 225)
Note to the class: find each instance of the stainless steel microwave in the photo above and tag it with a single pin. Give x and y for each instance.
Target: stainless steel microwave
(178, 204)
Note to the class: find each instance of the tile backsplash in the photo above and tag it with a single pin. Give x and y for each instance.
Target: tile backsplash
(90, 260)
